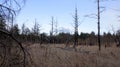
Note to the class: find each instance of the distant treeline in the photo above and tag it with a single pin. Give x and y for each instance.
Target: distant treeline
(26, 35)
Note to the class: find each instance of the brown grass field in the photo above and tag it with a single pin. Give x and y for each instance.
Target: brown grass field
(86, 56)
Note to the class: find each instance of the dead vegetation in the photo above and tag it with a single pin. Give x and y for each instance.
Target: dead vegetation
(86, 56)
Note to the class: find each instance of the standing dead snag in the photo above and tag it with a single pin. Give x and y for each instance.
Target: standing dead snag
(99, 43)
(36, 32)
(76, 30)
(56, 27)
(52, 30)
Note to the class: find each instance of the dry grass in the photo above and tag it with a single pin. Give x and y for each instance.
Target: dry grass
(86, 56)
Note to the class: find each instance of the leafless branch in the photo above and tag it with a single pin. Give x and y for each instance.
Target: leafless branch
(10, 35)
(10, 8)
(94, 16)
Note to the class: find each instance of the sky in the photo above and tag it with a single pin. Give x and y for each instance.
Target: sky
(63, 12)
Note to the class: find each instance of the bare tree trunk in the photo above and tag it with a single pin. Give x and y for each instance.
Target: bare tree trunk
(51, 32)
(76, 30)
(99, 42)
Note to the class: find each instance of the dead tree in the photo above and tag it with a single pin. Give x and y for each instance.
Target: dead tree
(97, 16)
(75, 29)
(99, 43)
(8, 11)
(56, 27)
(52, 30)
(36, 31)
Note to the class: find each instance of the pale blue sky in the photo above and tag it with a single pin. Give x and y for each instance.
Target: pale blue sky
(63, 10)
